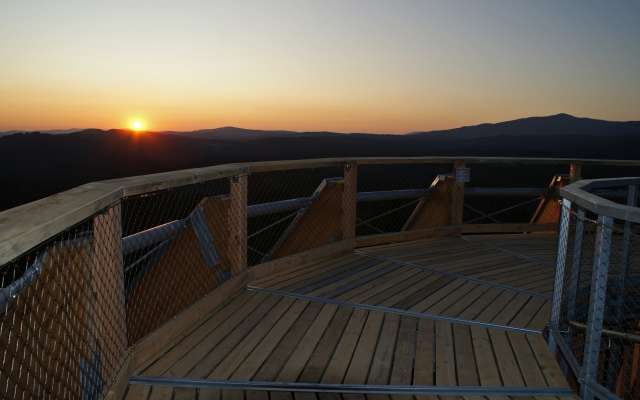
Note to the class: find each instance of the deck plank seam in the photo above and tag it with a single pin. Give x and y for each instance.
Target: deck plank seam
(368, 307)
(366, 267)
(308, 326)
(245, 323)
(324, 277)
(289, 387)
(247, 303)
(266, 335)
(457, 275)
(536, 260)
(362, 281)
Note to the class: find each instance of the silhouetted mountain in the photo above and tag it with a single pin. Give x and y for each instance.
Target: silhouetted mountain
(559, 124)
(36, 165)
(49, 131)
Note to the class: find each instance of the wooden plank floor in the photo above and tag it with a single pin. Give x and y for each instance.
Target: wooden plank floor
(452, 277)
(313, 328)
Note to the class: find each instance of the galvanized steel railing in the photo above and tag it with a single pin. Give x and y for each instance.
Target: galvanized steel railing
(595, 322)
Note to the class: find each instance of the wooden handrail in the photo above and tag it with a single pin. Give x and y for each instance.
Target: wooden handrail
(28, 225)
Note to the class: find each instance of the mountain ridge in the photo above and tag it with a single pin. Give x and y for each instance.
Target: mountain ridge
(563, 123)
(33, 165)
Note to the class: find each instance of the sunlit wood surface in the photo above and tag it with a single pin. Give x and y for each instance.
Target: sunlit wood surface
(316, 325)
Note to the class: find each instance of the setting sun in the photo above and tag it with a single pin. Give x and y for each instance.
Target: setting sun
(137, 125)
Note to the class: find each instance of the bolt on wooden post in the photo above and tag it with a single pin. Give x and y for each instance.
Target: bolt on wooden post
(238, 224)
(460, 176)
(349, 200)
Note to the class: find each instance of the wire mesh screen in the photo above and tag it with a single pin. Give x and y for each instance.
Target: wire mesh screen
(177, 248)
(292, 211)
(603, 278)
(494, 196)
(62, 327)
(390, 195)
(577, 281)
(394, 198)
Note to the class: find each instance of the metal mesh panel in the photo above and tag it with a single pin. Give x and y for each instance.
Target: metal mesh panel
(620, 347)
(580, 244)
(600, 311)
(62, 327)
(177, 248)
(389, 195)
(292, 211)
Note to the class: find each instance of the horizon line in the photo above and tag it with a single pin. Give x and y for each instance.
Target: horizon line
(74, 130)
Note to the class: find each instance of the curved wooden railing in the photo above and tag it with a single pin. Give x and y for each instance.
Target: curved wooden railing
(26, 226)
(83, 255)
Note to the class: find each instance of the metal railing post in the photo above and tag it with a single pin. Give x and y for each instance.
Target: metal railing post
(349, 200)
(558, 285)
(576, 264)
(460, 176)
(596, 307)
(632, 200)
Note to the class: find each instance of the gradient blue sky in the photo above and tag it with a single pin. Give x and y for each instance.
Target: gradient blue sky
(379, 66)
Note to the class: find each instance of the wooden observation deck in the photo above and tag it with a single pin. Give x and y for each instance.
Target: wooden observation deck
(315, 280)
(435, 312)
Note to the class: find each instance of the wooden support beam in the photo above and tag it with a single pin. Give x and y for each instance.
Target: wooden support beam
(548, 210)
(433, 209)
(238, 225)
(314, 226)
(349, 200)
(575, 172)
(457, 192)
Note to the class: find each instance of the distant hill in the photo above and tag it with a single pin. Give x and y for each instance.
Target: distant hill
(559, 124)
(50, 132)
(35, 165)
(241, 134)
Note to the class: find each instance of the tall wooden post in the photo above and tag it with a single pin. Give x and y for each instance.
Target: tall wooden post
(349, 200)
(238, 224)
(460, 176)
(107, 305)
(575, 172)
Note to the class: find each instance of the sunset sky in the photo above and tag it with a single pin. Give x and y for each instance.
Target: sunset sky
(374, 66)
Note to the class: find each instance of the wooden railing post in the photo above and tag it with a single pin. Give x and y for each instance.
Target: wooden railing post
(349, 200)
(575, 172)
(238, 224)
(460, 176)
(108, 305)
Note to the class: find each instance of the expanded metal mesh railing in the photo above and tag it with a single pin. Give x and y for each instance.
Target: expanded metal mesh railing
(175, 248)
(62, 318)
(596, 308)
(293, 210)
(100, 269)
